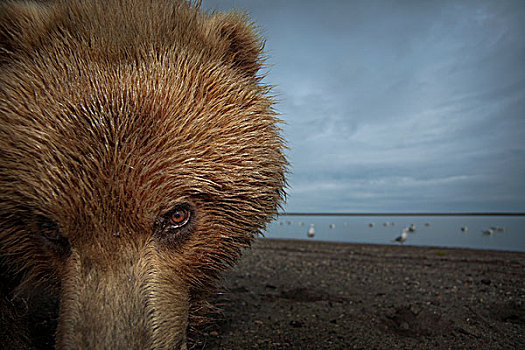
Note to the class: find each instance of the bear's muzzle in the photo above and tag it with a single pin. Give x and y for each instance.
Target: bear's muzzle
(121, 302)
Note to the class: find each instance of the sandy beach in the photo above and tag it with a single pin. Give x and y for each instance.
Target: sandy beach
(314, 295)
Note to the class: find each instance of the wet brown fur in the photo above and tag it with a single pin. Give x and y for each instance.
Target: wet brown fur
(112, 113)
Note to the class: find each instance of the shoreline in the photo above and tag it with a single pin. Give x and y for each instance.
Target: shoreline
(475, 213)
(393, 244)
(297, 294)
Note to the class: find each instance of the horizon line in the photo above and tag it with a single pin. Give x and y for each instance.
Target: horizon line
(405, 214)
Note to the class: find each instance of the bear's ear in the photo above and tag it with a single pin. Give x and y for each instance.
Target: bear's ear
(242, 44)
(21, 26)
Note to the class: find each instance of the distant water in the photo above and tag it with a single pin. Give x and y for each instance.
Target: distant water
(434, 231)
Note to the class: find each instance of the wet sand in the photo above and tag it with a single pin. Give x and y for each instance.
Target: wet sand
(314, 295)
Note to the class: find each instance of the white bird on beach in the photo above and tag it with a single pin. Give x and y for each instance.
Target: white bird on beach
(401, 239)
(311, 231)
(332, 226)
(464, 229)
(412, 228)
(488, 232)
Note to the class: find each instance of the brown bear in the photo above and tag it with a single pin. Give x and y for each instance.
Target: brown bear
(139, 153)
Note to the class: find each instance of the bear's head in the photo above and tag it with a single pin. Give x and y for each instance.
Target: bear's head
(139, 153)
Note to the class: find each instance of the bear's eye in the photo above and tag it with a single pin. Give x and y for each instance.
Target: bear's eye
(179, 216)
(50, 231)
(174, 226)
(54, 240)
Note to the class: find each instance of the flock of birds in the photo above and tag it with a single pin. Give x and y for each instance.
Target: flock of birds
(493, 229)
(412, 228)
(404, 233)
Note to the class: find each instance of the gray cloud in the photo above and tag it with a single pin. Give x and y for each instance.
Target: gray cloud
(400, 105)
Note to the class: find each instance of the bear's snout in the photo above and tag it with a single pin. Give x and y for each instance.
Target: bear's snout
(130, 303)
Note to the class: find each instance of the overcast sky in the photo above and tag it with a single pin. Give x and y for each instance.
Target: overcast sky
(398, 105)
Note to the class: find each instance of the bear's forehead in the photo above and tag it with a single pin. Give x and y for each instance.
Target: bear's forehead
(140, 115)
(147, 133)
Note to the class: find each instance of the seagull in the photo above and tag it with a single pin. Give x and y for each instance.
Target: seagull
(311, 231)
(412, 228)
(332, 226)
(464, 229)
(488, 232)
(401, 239)
(371, 224)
